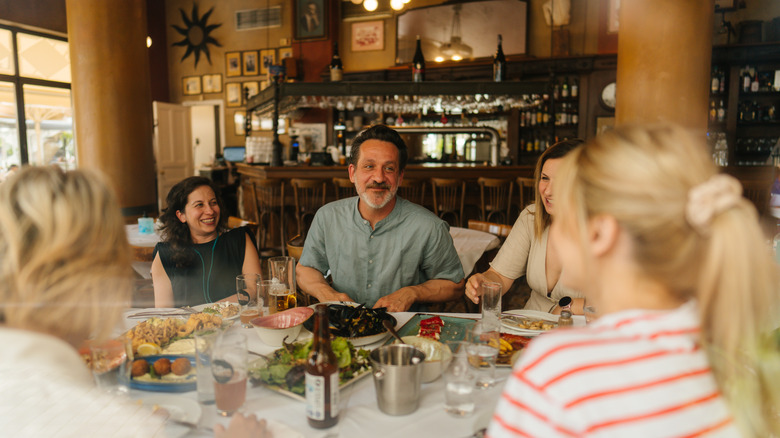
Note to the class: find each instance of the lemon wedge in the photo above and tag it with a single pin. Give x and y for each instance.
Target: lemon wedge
(149, 349)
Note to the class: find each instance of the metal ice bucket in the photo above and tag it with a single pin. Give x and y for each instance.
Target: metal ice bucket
(397, 370)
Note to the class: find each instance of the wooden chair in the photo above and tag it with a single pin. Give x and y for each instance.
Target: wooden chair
(527, 189)
(269, 202)
(448, 198)
(759, 193)
(500, 230)
(252, 227)
(344, 188)
(309, 197)
(496, 199)
(412, 190)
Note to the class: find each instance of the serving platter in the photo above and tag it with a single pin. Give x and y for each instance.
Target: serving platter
(357, 341)
(188, 384)
(513, 320)
(202, 307)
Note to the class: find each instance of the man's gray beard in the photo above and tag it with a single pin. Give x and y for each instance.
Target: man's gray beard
(389, 197)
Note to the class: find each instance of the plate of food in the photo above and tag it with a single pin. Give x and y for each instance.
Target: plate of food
(163, 373)
(283, 371)
(226, 310)
(173, 335)
(528, 322)
(362, 326)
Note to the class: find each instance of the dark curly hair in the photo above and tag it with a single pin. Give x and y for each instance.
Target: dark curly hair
(176, 233)
(382, 133)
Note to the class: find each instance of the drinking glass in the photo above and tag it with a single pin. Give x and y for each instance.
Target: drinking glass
(204, 347)
(229, 368)
(459, 382)
(111, 362)
(248, 297)
(590, 311)
(491, 304)
(281, 295)
(482, 353)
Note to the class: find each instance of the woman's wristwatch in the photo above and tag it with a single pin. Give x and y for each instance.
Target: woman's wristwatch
(565, 303)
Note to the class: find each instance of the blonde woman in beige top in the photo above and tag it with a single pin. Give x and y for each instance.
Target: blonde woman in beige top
(527, 251)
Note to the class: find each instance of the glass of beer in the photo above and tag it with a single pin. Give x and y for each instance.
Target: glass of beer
(249, 298)
(282, 290)
(229, 368)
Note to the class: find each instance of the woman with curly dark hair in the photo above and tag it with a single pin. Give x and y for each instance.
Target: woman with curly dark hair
(199, 258)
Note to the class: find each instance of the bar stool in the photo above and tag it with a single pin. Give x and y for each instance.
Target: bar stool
(527, 191)
(344, 188)
(309, 197)
(448, 198)
(495, 199)
(269, 199)
(412, 190)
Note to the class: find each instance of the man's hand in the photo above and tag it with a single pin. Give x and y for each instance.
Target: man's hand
(326, 296)
(398, 301)
(242, 426)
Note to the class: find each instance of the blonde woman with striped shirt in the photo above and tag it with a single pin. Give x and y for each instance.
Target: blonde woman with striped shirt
(673, 257)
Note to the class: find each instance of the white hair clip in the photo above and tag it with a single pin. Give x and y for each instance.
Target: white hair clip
(710, 198)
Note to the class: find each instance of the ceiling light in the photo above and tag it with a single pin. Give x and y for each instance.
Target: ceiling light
(370, 5)
(148, 41)
(397, 5)
(456, 49)
(439, 59)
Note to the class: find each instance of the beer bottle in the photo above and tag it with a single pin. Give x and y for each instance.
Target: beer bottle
(336, 67)
(499, 63)
(322, 375)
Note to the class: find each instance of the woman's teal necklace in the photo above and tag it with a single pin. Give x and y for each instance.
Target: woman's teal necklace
(207, 282)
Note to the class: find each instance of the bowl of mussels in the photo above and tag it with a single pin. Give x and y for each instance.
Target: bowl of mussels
(361, 325)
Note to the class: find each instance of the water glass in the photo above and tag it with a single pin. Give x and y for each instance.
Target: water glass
(281, 295)
(491, 304)
(482, 353)
(111, 362)
(204, 346)
(459, 382)
(249, 299)
(590, 311)
(229, 369)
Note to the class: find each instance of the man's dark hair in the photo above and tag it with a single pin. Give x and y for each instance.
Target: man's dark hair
(381, 133)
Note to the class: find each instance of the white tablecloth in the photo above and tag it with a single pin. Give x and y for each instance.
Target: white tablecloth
(471, 244)
(362, 416)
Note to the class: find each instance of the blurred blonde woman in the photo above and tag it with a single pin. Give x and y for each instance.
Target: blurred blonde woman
(64, 277)
(673, 257)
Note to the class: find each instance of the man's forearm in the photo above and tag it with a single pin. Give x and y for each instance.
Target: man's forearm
(438, 290)
(313, 283)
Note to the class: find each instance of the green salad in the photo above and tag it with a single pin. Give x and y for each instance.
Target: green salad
(285, 368)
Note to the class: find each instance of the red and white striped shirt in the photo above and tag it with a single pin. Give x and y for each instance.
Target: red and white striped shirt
(635, 373)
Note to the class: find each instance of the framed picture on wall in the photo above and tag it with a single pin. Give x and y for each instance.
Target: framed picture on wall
(233, 64)
(239, 119)
(233, 94)
(212, 83)
(190, 85)
(368, 35)
(250, 89)
(250, 62)
(267, 58)
(285, 52)
(310, 19)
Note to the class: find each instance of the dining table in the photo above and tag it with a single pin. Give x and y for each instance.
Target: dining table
(361, 415)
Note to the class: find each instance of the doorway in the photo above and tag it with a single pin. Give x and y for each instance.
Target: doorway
(208, 137)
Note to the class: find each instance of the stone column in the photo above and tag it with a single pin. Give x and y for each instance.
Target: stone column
(664, 54)
(112, 97)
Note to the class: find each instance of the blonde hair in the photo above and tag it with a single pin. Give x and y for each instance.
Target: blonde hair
(64, 256)
(642, 177)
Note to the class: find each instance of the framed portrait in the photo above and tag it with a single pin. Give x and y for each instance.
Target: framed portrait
(212, 83)
(368, 35)
(250, 62)
(285, 52)
(239, 119)
(310, 19)
(233, 64)
(725, 5)
(190, 85)
(233, 94)
(267, 58)
(250, 89)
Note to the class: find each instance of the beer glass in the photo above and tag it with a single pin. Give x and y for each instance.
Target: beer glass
(281, 295)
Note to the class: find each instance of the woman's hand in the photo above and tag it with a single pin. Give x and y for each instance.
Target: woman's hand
(474, 283)
(242, 426)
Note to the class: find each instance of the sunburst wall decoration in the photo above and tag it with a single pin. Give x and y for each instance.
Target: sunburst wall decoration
(196, 32)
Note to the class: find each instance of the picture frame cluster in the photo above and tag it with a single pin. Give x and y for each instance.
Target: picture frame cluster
(250, 63)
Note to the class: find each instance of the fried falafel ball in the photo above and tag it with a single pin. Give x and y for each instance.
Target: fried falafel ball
(162, 366)
(140, 367)
(181, 366)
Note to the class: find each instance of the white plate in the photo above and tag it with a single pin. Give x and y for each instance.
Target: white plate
(200, 308)
(179, 408)
(579, 320)
(362, 340)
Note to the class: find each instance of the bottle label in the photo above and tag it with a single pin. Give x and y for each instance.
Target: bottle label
(336, 74)
(417, 74)
(315, 396)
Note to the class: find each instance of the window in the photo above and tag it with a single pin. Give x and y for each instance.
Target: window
(36, 110)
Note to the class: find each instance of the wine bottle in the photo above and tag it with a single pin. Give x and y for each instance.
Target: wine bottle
(336, 68)
(322, 375)
(499, 63)
(418, 63)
